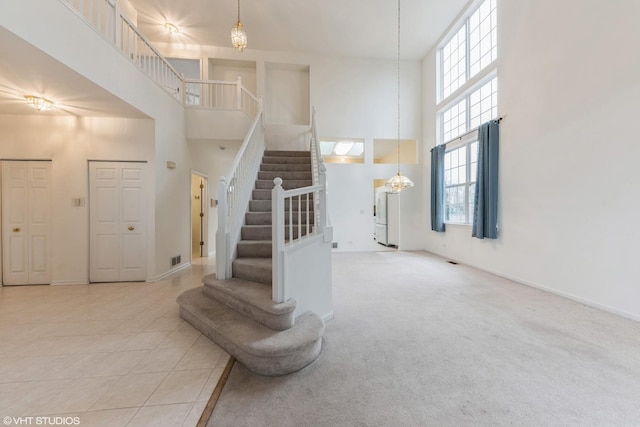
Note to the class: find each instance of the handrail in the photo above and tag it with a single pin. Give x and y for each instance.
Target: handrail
(152, 63)
(234, 193)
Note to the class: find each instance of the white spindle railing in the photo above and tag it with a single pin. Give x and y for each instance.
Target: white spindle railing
(299, 214)
(220, 95)
(234, 193)
(105, 17)
(101, 14)
(139, 50)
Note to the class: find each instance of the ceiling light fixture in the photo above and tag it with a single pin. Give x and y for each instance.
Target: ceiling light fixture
(171, 29)
(238, 34)
(40, 104)
(398, 182)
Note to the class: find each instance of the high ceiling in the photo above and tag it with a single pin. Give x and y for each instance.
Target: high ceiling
(363, 28)
(357, 28)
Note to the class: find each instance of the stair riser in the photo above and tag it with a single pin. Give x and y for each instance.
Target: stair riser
(266, 184)
(262, 364)
(278, 322)
(264, 218)
(265, 205)
(264, 233)
(253, 273)
(285, 167)
(286, 153)
(266, 195)
(286, 160)
(254, 249)
(271, 175)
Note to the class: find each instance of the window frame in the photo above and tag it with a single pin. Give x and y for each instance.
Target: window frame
(469, 181)
(466, 137)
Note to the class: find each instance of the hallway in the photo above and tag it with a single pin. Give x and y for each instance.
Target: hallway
(113, 354)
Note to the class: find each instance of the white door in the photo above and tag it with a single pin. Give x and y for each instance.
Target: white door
(117, 222)
(26, 222)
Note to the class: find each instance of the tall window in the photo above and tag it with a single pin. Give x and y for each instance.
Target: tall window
(468, 98)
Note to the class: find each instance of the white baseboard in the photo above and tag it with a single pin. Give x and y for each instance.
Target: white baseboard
(547, 289)
(169, 273)
(68, 282)
(328, 316)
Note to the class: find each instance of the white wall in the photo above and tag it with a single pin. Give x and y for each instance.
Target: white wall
(70, 142)
(569, 85)
(56, 30)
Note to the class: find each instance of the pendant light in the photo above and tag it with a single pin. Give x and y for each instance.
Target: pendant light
(398, 182)
(238, 34)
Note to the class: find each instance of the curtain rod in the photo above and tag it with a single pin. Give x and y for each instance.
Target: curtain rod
(458, 138)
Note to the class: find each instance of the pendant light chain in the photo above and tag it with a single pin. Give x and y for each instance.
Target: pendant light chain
(398, 183)
(398, 87)
(238, 10)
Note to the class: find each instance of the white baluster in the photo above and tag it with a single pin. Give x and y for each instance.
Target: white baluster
(221, 234)
(277, 245)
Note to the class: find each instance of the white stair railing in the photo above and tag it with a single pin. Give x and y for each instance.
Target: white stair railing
(220, 95)
(234, 193)
(139, 50)
(306, 224)
(105, 17)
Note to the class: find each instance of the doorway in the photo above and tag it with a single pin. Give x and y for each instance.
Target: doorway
(26, 222)
(117, 221)
(386, 215)
(199, 217)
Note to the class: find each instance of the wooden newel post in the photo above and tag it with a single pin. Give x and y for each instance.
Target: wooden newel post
(277, 230)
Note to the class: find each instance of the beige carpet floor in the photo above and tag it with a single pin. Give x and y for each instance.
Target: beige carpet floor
(417, 341)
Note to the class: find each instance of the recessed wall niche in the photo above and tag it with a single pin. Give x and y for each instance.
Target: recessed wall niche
(229, 69)
(386, 151)
(287, 94)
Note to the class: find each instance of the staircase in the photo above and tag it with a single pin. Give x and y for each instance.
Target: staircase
(239, 314)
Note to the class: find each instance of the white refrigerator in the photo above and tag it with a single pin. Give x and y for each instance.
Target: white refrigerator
(387, 224)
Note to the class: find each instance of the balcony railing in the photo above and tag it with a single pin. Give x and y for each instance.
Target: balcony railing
(105, 17)
(220, 95)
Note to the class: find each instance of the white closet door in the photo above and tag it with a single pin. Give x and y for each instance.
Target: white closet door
(117, 216)
(26, 222)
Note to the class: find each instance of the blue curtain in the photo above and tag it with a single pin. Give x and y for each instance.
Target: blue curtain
(485, 214)
(437, 188)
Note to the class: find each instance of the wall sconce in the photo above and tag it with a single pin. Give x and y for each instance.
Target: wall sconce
(40, 104)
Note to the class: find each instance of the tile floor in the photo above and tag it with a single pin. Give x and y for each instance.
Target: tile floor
(114, 354)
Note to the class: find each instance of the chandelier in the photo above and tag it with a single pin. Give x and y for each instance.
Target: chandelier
(398, 182)
(238, 34)
(40, 104)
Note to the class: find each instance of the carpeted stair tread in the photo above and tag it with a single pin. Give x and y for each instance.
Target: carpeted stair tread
(254, 249)
(285, 167)
(253, 269)
(265, 205)
(264, 218)
(286, 160)
(252, 299)
(263, 232)
(260, 349)
(287, 153)
(285, 175)
(289, 184)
